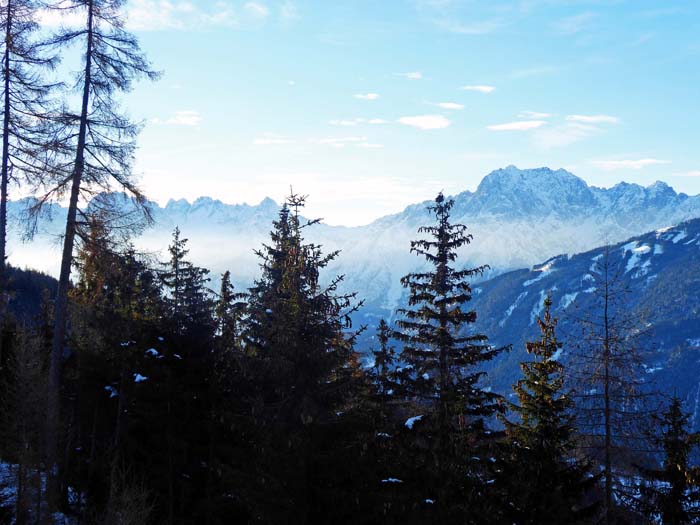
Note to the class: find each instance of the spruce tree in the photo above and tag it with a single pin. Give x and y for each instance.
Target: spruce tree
(383, 369)
(305, 378)
(230, 309)
(541, 441)
(190, 301)
(443, 374)
(674, 493)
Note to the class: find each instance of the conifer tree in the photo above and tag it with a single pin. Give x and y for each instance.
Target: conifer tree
(383, 368)
(114, 309)
(305, 374)
(230, 308)
(442, 374)
(541, 443)
(101, 144)
(674, 493)
(189, 299)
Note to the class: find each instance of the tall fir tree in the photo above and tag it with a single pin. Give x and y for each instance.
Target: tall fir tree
(442, 375)
(305, 381)
(541, 442)
(190, 302)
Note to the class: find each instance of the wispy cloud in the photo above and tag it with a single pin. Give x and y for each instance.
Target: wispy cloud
(186, 118)
(58, 18)
(289, 11)
(425, 122)
(571, 25)
(257, 9)
(154, 15)
(411, 75)
(480, 88)
(482, 27)
(564, 134)
(356, 121)
(450, 105)
(574, 129)
(370, 145)
(692, 173)
(634, 164)
(593, 119)
(181, 118)
(367, 96)
(182, 15)
(339, 142)
(518, 125)
(533, 115)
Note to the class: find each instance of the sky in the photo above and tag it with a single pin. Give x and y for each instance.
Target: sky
(368, 106)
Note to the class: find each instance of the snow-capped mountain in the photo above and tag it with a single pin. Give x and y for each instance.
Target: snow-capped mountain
(659, 270)
(518, 217)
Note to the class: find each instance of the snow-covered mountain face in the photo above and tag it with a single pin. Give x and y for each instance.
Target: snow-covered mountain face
(659, 270)
(517, 217)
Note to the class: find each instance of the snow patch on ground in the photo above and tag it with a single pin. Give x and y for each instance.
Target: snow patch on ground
(637, 252)
(412, 421)
(538, 307)
(679, 237)
(567, 299)
(511, 308)
(594, 264)
(112, 391)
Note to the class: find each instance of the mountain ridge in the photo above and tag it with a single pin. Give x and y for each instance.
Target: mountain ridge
(518, 218)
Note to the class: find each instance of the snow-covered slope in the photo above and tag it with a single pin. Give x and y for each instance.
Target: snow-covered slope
(660, 272)
(517, 217)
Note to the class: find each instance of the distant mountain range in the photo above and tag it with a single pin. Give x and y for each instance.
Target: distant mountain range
(518, 218)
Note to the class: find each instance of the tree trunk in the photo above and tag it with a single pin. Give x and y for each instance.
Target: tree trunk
(5, 153)
(608, 426)
(54, 383)
(4, 177)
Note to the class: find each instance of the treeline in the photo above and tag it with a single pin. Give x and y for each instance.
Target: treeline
(137, 395)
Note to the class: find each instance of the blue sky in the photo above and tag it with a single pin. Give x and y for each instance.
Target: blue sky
(371, 105)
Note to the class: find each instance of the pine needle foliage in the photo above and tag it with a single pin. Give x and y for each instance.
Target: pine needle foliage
(442, 374)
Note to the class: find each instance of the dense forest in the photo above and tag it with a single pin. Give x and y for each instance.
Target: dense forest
(132, 393)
